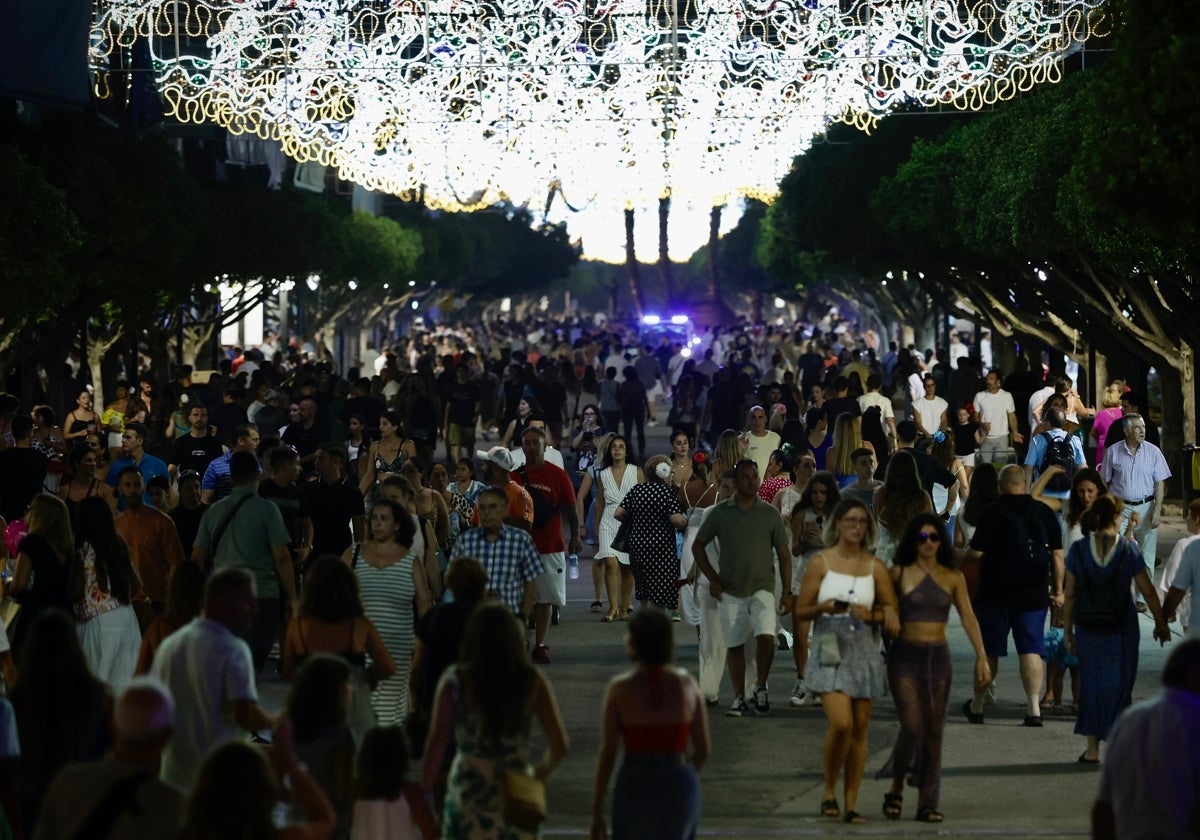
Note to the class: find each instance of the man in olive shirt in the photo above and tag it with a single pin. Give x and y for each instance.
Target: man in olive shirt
(753, 538)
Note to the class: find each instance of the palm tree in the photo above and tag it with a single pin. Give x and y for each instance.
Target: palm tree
(631, 265)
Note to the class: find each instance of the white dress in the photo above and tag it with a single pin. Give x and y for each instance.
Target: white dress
(613, 494)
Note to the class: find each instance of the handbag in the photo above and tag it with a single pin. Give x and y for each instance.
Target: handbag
(620, 542)
(522, 800)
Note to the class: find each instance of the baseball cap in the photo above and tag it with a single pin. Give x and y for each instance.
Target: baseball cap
(498, 455)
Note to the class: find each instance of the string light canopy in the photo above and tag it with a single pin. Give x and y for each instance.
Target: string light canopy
(466, 102)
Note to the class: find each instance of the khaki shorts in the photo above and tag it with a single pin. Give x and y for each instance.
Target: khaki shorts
(463, 436)
(740, 615)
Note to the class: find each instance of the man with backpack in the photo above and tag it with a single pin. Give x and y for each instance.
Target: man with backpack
(1018, 544)
(1055, 448)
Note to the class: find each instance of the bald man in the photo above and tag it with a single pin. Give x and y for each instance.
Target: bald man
(1017, 543)
(121, 797)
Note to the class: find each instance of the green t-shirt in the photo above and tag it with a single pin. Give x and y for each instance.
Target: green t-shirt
(255, 529)
(749, 540)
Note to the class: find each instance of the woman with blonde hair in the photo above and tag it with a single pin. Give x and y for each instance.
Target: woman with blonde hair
(47, 555)
(1106, 416)
(847, 437)
(728, 451)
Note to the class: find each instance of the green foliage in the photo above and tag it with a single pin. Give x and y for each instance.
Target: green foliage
(38, 235)
(374, 250)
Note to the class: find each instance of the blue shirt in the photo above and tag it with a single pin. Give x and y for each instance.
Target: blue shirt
(510, 562)
(1132, 475)
(148, 467)
(1037, 451)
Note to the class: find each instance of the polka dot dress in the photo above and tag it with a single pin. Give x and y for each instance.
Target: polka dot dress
(652, 543)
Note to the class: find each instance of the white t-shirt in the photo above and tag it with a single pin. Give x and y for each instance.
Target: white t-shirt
(760, 448)
(994, 409)
(1182, 571)
(874, 398)
(207, 669)
(930, 412)
(1039, 397)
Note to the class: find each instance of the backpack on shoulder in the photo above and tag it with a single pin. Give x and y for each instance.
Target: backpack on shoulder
(1059, 453)
(1031, 557)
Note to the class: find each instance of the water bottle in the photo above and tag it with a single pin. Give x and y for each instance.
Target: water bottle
(573, 566)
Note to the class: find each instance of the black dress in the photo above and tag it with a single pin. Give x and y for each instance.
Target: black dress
(652, 553)
(48, 586)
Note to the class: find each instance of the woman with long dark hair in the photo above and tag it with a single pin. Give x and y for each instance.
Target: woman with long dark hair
(656, 710)
(82, 466)
(616, 479)
(102, 587)
(897, 502)
(62, 710)
(807, 527)
(316, 707)
(388, 454)
(927, 584)
(1107, 646)
(487, 702)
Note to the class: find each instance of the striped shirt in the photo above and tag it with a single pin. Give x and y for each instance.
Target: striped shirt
(1131, 475)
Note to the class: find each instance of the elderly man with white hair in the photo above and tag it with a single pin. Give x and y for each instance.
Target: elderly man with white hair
(122, 796)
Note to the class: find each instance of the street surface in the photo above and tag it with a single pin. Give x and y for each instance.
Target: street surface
(763, 778)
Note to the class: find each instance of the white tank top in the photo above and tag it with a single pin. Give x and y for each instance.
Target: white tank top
(840, 587)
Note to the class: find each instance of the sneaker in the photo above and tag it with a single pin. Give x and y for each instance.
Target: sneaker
(651, 422)
(738, 708)
(782, 642)
(1033, 720)
(762, 701)
(799, 693)
(990, 697)
(711, 701)
(675, 616)
(541, 655)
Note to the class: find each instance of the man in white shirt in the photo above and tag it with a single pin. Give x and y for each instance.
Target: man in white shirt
(1036, 402)
(874, 399)
(209, 671)
(997, 416)
(930, 410)
(759, 442)
(1180, 575)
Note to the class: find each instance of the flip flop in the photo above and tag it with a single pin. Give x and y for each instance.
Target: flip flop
(829, 808)
(1083, 759)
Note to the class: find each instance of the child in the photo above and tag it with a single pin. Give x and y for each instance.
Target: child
(388, 807)
(1058, 660)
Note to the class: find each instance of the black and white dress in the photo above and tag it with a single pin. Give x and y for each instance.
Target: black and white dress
(652, 551)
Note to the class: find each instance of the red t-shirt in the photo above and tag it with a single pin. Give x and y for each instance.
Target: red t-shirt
(555, 486)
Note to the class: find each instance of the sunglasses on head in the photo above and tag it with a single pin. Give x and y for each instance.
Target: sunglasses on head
(929, 536)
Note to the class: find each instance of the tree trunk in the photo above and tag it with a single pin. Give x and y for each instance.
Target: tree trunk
(1178, 410)
(664, 255)
(714, 244)
(97, 359)
(631, 266)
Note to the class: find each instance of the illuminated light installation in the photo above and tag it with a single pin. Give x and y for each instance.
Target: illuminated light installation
(466, 102)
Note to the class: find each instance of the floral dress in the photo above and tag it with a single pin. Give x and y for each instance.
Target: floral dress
(472, 807)
(652, 552)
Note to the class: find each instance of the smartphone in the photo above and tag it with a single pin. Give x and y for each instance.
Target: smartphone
(842, 605)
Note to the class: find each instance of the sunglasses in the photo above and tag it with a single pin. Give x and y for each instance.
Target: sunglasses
(929, 536)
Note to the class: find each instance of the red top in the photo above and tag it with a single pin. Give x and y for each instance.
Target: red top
(556, 486)
(656, 737)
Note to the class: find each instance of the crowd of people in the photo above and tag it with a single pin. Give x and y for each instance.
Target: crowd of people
(389, 538)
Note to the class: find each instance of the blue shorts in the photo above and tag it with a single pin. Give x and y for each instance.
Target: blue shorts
(1028, 630)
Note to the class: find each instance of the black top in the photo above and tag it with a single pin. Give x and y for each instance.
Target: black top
(928, 469)
(462, 398)
(996, 537)
(22, 473)
(440, 631)
(48, 587)
(840, 405)
(195, 453)
(332, 507)
(187, 523)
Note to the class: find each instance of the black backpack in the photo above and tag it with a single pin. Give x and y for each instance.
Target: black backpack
(1031, 551)
(1060, 453)
(543, 510)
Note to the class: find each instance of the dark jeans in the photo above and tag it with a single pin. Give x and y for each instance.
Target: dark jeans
(262, 633)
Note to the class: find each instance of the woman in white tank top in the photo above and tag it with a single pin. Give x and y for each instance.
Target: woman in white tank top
(849, 595)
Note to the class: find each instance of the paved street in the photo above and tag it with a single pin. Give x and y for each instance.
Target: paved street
(764, 777)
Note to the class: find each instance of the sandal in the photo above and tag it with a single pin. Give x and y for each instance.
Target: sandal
(929, 815)
(829, 808)
(892, 805)
(607, 618)
(596, 606)
(854, 818)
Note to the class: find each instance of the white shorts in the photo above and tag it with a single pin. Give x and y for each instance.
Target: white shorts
(654, 392)
(740, 615)
(967, 460)
(552, 583)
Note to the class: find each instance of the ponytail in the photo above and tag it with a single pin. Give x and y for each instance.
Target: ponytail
(1103, 511)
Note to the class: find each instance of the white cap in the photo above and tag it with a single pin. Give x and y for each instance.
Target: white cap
(498, 455)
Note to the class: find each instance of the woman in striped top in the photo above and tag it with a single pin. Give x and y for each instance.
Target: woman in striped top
(390, 579)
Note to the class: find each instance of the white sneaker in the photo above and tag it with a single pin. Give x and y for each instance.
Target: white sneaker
(738, 707)
(799, 692)
(990, 697)
(762, 701)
